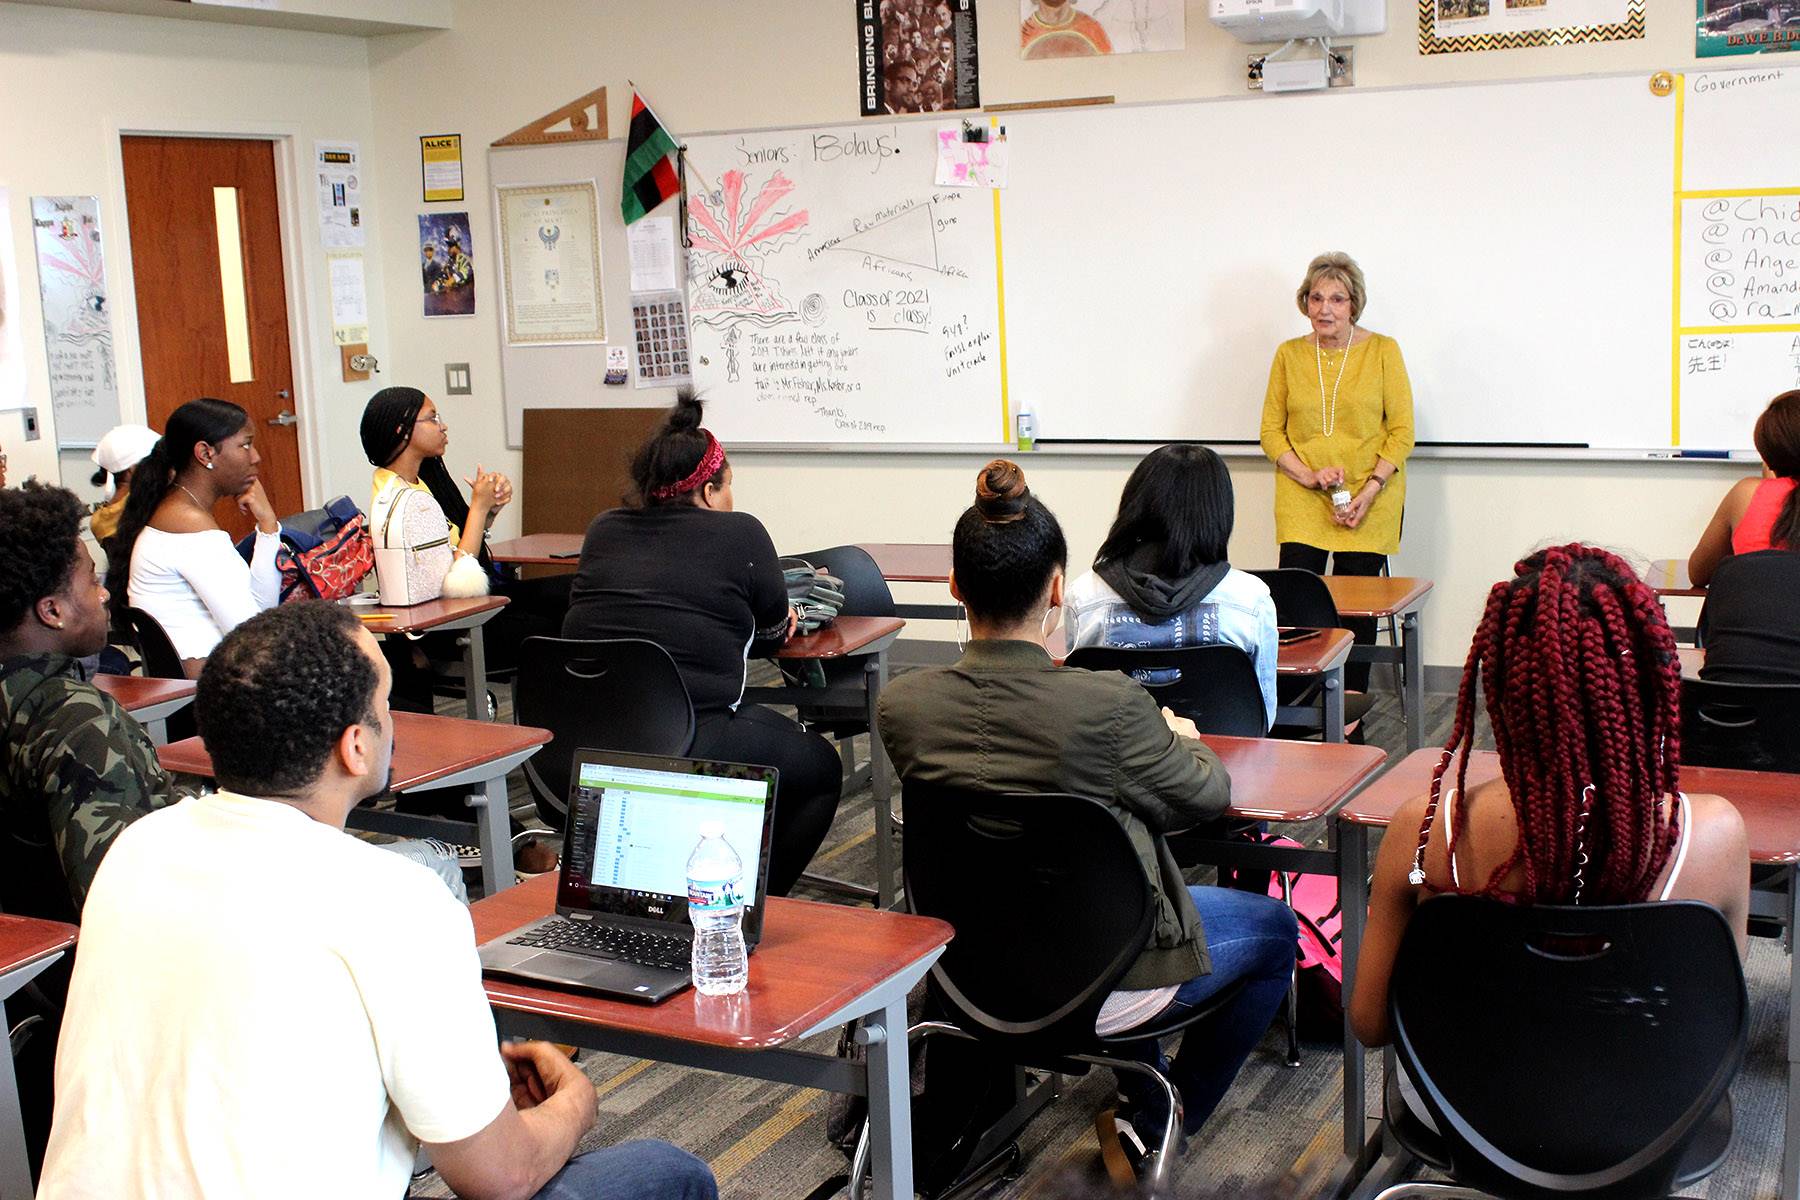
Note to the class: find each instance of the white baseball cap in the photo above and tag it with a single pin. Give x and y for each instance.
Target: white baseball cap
(124, 447)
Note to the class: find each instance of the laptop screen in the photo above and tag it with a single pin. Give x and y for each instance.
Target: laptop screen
(635, 819)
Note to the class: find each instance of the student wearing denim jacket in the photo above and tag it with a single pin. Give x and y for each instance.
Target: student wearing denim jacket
(1161, 579)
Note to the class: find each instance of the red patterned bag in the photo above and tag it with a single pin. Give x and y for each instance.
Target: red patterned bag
(331, 570)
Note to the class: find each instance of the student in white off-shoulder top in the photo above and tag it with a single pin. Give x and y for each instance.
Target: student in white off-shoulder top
(170, 558)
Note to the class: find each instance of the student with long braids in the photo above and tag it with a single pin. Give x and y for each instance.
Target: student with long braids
(1578, 670)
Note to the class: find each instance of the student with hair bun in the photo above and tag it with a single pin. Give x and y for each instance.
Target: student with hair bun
(1007, 719)
(680, 568)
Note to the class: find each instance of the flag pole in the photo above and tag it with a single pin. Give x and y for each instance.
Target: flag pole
(687, 243)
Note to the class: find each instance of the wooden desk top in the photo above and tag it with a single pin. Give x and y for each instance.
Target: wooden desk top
(426, 748)
(539, 549)
(911, 562)
(26, 939)
(136, 692)
(1765, 798)
(420, 617)
(844, 636)
(1377, 596)
(814, 959)
(1314, 656)
(1669, 577)
(1277, 780)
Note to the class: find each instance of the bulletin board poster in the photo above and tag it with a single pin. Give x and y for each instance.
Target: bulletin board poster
(1050, 29)
(1730, 27)
(1457, 26)
(446, 264)
(78, 340)
(917, 56)
(550, 263)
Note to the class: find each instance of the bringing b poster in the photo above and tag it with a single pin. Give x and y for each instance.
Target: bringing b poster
(446, 265)
(917, 56)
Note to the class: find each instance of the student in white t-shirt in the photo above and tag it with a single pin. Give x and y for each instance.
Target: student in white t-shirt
(265, 1006)
(169, 557)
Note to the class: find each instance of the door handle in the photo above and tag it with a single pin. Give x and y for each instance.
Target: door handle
(284, 417)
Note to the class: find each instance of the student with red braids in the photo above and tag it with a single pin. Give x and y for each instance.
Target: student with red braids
(1577, 667)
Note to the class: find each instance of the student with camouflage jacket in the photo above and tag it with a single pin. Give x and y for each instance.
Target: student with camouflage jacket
(76, 769)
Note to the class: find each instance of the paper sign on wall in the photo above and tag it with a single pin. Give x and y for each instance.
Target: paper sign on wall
(964, 162)
(441, 167)
(349, 297)
(340, 194)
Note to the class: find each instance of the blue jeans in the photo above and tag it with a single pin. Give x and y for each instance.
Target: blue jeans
(632, 1171)
(1250, 937)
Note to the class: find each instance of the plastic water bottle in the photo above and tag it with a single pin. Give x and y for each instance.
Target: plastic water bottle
(715, 877)
(1340, 497)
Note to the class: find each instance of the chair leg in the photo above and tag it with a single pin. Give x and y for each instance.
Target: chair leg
(1291, 1007)
(1165, 1151)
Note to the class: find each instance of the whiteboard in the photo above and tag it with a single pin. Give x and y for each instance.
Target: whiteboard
(837, 294)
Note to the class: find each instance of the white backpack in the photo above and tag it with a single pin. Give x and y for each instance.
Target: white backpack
(413, 551)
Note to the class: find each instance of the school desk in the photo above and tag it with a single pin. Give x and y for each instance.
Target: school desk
(538, 550)
(432, 754)
(445, 616)
(1398, 598)
(151, 701)
(27, 948)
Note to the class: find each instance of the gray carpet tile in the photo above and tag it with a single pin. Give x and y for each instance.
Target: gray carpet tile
(1275, 1135)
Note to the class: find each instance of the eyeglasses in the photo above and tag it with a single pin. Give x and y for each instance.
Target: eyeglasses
(437, 419)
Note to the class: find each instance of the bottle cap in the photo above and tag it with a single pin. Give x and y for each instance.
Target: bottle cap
(710, 829)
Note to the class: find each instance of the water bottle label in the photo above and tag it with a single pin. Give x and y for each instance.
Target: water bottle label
(707, 895)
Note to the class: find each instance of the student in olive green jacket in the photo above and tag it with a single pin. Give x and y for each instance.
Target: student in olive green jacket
(1007, 719)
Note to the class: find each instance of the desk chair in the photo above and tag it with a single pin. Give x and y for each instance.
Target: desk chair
(1566, 1052)
(161, 662)
(866, 594)
(615, 694)
(1302, 601)
(1215, 686)
(1051, 907)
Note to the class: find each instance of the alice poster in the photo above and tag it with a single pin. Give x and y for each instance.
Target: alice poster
(446, 268)
(1088, 28)
(1723, 27)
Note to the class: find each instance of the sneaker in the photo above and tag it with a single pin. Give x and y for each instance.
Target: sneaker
(534, 857)
(1122, 1150)
(467, 857)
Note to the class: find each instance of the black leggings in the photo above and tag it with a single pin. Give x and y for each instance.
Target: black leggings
(806, 794)
(1344, 562)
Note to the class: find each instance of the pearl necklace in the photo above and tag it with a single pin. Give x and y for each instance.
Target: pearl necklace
(1328, 421)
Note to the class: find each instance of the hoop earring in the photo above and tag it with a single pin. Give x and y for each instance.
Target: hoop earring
(963, 635)
(1050, 626)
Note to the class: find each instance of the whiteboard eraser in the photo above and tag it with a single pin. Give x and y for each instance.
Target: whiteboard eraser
(1294, 75)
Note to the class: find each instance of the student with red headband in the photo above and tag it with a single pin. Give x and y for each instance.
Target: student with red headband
(679, 568)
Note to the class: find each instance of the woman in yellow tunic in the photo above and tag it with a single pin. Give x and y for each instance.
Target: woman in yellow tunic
(1338, 419)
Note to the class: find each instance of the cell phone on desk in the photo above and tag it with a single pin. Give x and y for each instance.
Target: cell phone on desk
(1293, 637)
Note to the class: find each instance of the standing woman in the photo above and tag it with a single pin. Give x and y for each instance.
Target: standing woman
(170, 558)
(1339, 411)
(680, 568)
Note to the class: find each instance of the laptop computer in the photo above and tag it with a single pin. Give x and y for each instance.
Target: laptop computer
(621, 926)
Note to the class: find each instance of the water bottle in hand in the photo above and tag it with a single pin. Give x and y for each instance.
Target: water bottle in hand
(715, 877)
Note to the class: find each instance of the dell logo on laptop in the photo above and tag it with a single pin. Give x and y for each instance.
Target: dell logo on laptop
(656, 910)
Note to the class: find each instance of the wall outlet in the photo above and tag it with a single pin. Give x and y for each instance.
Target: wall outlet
(456, 380)
(33, 431)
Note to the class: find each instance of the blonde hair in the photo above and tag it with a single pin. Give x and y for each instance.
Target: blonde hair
(1338, 266)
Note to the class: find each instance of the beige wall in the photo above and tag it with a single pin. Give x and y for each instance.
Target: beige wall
(724, 64)
(71, 81)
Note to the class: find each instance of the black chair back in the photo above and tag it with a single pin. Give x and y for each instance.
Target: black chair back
(1755, 726)
(1049, 902)
(1302, 601)
(160, 659)
(620, 694)
(1216, 689)
(1570, 1051)
(866, 593)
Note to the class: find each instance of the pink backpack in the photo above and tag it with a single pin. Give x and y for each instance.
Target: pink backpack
(1314, 899)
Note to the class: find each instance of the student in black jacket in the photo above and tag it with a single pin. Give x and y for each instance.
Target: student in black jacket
(679, 568)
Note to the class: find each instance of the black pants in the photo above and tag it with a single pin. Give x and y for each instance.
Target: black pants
(1344, 562)
(806, 795)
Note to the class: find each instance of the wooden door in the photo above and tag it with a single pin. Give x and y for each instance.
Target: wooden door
(211, 296)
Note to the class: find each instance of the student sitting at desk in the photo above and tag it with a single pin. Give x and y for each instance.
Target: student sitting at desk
(1161, 578)
(234, 1030)
(405, 439)
(77, 769)
(1007, 719)
(1758, 514)
(680, 568)
(1582, 683)
(170, 558)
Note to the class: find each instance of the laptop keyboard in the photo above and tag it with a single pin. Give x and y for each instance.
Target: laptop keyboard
(595, 940)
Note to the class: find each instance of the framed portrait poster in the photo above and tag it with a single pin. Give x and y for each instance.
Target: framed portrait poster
(550, 263)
